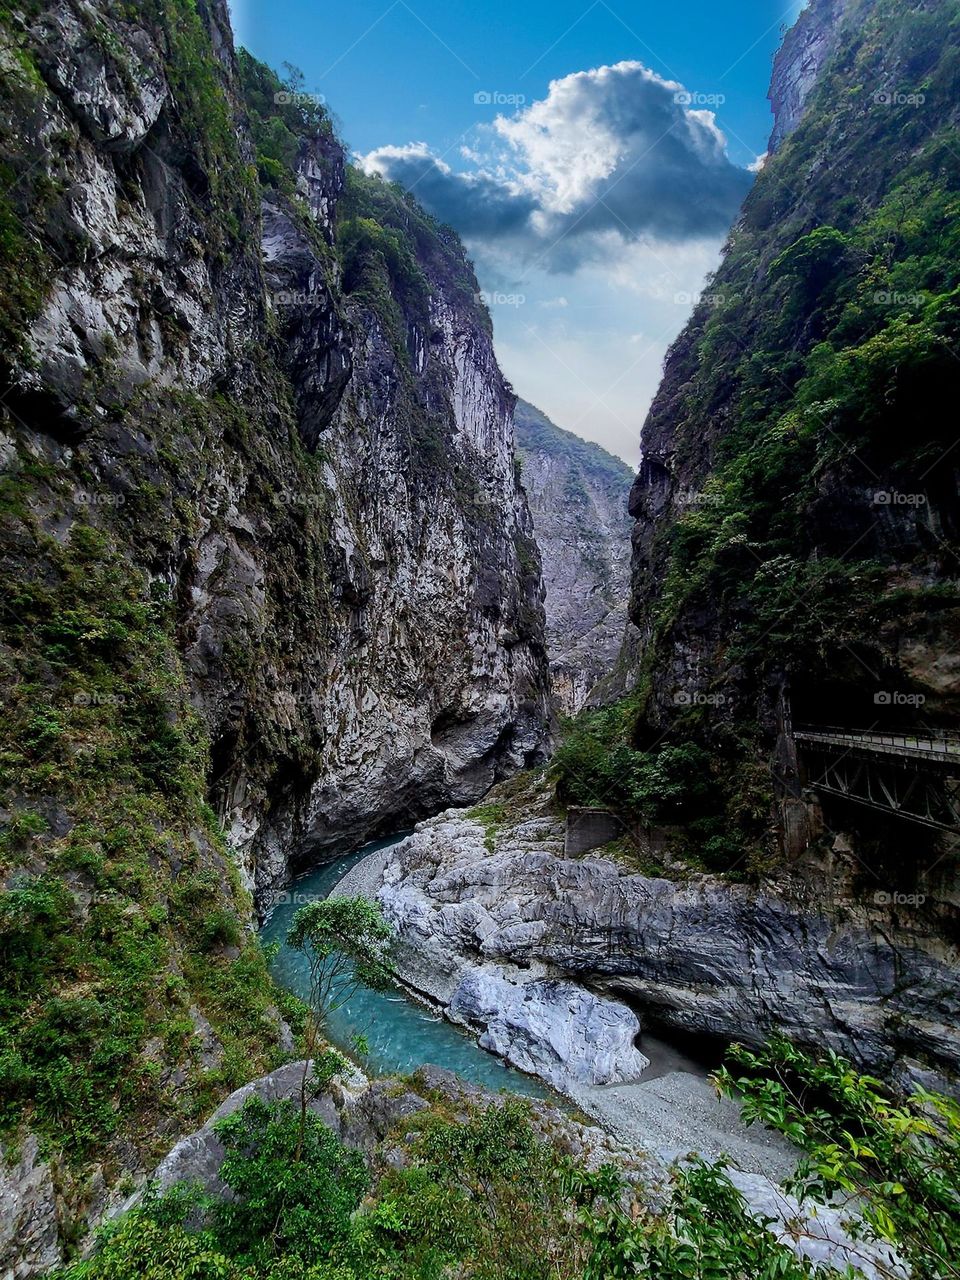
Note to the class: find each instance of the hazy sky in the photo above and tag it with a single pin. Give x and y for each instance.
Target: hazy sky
(592, 156)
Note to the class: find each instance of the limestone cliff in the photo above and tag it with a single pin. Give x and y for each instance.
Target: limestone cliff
(578, 500)
(332, 505)
(264, 550)
(806, 47)
(797, 516)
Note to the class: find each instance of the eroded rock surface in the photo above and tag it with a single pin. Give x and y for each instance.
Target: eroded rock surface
(578, 499)
(703, 955)
(318, 477)
(551, 1028)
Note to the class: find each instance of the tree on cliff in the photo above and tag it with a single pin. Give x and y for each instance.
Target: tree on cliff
(346, 944)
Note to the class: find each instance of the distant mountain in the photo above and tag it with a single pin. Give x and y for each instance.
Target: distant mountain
(578, 497)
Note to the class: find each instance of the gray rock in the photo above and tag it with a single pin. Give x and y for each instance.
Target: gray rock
(807, 46)
(703, 956)
(552, 1029)
(578, 499)
(29, 1225)
(364, 1114)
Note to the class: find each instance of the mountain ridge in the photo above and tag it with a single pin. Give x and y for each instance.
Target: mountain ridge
(578, 494)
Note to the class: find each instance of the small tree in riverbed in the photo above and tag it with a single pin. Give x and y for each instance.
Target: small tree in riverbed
(346, 943)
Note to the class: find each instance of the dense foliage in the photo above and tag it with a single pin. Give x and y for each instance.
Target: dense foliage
(125, 872)
(832, 320)
(899, 1158)
(483, 1192)
(710, 808)
(281, 113)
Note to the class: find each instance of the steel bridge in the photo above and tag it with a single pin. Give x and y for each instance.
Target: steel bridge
(912, 774)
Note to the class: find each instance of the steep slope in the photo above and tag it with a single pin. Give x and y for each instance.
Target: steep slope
(269, 583)
(578, 499)
(795, 562)
(797, 516)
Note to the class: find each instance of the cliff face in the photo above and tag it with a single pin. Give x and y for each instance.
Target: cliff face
(577, 494)
(355, 589)
(725, 962)
(806, 48)
(263, 545)
(797, 517)
(432, 681)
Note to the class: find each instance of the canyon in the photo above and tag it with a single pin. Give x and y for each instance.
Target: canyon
(287, 568)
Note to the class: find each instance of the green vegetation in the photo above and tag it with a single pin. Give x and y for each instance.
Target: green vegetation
(714, 806)
(25, 267)
(436, 247)
(899, 1158)
(122, 924)
(491, 816)
(536, 432)
(345, 942)
(282, 113)
(821, 356)
(392, 255)
(389, 250)
(486, 1192)
(806, 391)
(596, 765)
(224, 190)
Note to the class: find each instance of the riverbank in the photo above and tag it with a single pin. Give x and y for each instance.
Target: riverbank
(667, 1115)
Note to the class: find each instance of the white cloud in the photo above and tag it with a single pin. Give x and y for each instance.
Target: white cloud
(608, 156)
(614, 182)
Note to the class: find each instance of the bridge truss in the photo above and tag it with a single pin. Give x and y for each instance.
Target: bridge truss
(913, 776)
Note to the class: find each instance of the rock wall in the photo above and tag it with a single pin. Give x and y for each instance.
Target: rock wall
(270, 580)
(334, 508)
(578, 494)
(806, 47)
(720, 961)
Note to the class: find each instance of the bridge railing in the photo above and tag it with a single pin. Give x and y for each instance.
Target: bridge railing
(945, 741)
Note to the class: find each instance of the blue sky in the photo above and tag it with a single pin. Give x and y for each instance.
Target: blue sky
(592, 156)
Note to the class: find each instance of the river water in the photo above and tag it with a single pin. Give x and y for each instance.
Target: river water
(402, 1033)
(671, 1108)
